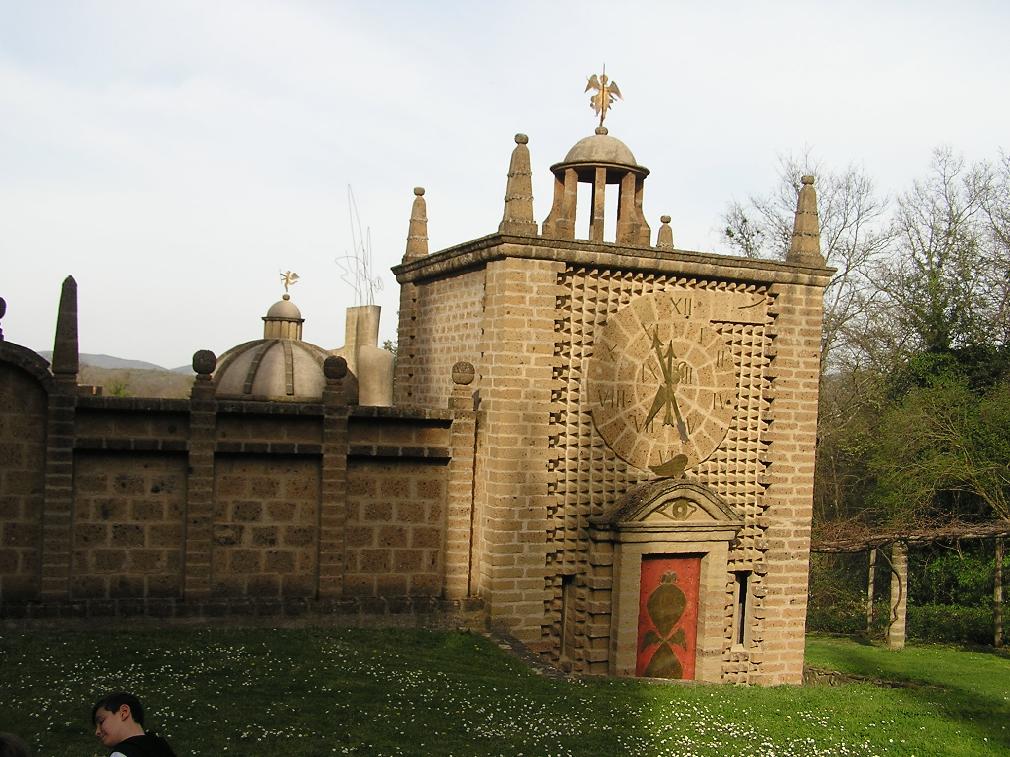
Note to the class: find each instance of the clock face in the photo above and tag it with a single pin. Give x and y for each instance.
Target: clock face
(662, 383)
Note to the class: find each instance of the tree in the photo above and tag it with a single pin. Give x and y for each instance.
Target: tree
(854, 234)
(997, 208)
(942, 451)
(937, 280)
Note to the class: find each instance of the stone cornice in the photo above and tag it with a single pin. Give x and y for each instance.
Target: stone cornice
(479, 252)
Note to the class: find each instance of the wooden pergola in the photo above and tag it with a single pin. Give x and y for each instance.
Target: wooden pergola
(864, 541)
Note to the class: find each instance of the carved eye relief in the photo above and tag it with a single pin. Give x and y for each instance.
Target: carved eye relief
(679, 509)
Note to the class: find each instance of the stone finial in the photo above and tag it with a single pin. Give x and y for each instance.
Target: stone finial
(334, 367)
(204, 363)
(417, 233)
(3, 312)
(806, 244)
(66, 358)
(518, 218)
(463, 373)
(664, 237)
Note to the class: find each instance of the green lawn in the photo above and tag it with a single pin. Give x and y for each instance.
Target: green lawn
(366, 692)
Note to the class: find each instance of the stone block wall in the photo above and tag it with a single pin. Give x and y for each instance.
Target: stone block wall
(448, 329)
(183, 508)
(22, 460)
(792, 437)
(156, 422)
(266, 512)
(128, 525)
(511, 491)
(395, 529)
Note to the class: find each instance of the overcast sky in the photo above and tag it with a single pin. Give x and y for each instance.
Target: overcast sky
(175, 156)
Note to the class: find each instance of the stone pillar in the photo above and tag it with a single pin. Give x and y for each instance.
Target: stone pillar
(459, 522)
(196, 582)
(870, 576)
(643, 230)
(899, 596)
(518, 218)
(511, 496)
(626, 210)
(997, 595)
(57, 512)
(599, 205)
(333, 497)
(789, 441)
(560, 222)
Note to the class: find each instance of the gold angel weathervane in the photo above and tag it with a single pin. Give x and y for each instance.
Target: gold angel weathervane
(289, 278)
(606, 91)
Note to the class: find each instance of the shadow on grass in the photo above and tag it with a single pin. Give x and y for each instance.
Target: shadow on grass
(968, 687)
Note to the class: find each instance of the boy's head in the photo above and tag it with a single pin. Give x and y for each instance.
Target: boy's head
(116, 717)
(12, 746)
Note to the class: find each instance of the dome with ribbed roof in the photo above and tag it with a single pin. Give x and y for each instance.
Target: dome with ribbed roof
(275, 369)
(280, 366)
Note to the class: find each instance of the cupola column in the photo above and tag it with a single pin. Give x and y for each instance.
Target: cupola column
(560, 223)
(626, 221)
(599, 203)
(643, 226)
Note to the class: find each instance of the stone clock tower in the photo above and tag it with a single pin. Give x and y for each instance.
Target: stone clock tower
(641, 490)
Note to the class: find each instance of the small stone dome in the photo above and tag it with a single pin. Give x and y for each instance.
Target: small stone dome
(275, 369)
(601, 148)
(285, 309)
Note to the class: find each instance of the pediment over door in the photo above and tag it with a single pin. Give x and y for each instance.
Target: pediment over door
(672, 506)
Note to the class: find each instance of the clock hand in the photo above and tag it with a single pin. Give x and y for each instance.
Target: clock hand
(681, 426)
(666, 394)
(661, 400)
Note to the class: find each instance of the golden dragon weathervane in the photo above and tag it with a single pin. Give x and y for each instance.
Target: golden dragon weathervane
(606, 91)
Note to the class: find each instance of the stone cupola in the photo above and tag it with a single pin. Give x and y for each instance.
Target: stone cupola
(283, 320)
(280, 366)
(599, 160)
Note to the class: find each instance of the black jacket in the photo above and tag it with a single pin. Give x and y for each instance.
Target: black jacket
(148, 745)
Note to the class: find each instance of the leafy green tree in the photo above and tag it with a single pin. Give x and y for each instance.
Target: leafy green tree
(942, 452)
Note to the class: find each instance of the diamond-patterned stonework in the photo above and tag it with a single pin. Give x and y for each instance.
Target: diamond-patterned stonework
(589, 477)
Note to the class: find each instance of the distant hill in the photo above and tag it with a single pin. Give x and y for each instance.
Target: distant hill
(109, 361)
(132, 378)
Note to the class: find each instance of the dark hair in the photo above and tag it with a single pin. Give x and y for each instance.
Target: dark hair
(117, 699)
(13, 746)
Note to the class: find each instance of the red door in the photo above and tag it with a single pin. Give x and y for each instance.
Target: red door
(668, 616)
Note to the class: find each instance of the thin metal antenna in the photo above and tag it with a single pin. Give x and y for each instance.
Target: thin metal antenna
(356, 267)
